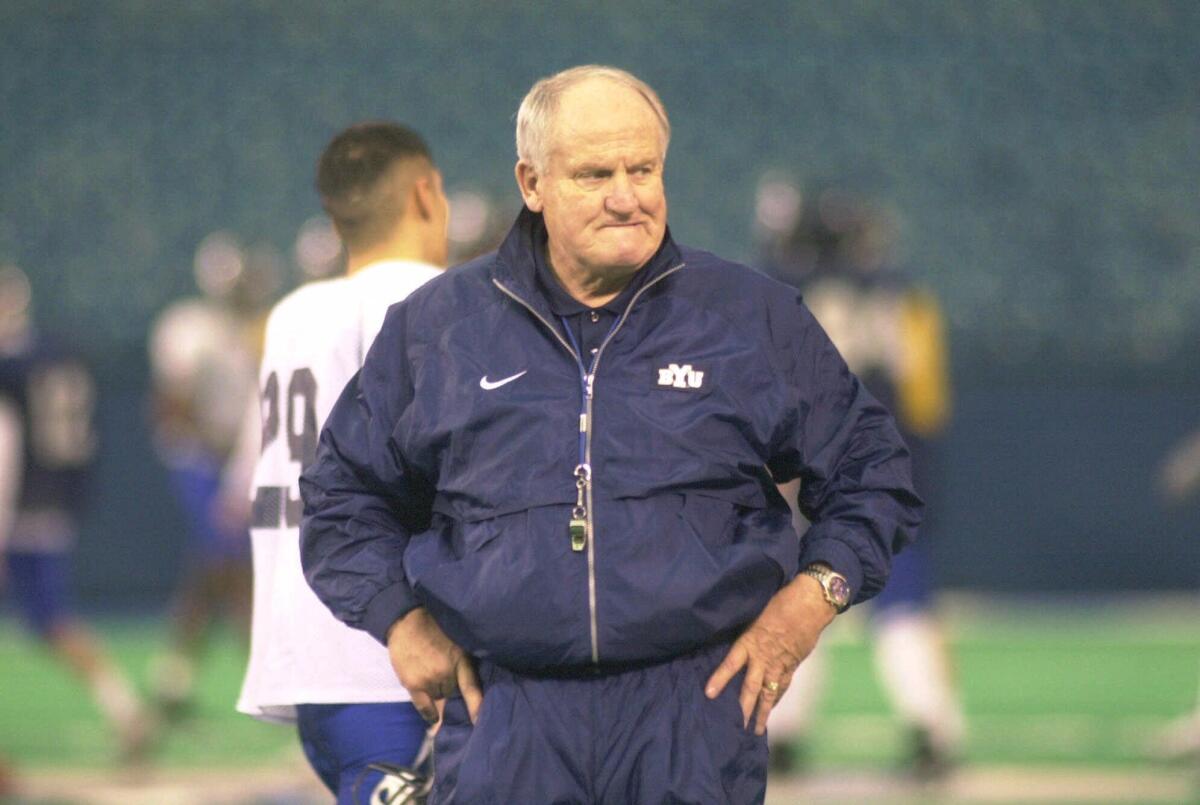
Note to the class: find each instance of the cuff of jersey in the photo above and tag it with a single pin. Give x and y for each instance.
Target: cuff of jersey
(391, 604)
(839, 556)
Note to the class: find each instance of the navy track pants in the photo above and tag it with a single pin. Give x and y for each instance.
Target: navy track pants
(646, 736)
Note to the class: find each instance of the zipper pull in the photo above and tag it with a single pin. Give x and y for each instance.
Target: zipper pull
(590, 379)
(578, 525)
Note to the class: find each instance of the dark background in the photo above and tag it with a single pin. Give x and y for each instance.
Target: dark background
(1044, 159)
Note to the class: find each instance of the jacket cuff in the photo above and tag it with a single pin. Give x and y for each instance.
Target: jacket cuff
(839, 556)
(391, 604)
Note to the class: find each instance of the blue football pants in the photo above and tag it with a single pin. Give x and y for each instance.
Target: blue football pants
(40, 585)
(645, 736)
(339, 741)
(910, 585)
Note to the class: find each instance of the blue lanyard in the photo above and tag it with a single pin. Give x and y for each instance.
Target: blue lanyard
(584, 374)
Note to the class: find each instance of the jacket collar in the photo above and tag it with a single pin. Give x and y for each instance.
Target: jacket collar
(516, 261)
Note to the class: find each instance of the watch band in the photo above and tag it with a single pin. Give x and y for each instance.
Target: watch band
(833, 585)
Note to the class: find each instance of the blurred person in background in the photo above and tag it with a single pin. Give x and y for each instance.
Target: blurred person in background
(204, 355)
(555, 467)
(1178, 480)
(379, 185)
(839, 250)
(48, 447)
(8, 783)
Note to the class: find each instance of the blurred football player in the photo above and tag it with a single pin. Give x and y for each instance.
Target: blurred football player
(204, 355)
(1178, 481)
(379, 185)
(47, 451)
(8, 785)
(837, 249)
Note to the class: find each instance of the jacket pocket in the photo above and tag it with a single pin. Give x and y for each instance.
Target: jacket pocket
(477, 535)
(507, 588)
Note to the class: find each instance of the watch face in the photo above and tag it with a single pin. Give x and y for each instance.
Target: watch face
(839, 590)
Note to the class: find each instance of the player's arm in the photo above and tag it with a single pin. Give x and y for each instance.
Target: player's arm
(1179, 475)
(924, 383)
(11, 452)
(233, 500)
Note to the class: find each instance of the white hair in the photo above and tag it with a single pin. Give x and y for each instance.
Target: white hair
(537, 111)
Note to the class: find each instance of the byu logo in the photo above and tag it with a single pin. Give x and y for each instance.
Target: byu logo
(680, 377)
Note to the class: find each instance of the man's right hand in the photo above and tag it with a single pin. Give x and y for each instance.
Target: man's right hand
(430, 666)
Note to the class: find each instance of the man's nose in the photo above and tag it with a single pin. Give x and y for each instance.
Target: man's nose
(621, 199)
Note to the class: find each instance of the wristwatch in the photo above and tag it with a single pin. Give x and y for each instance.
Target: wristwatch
(833, 585)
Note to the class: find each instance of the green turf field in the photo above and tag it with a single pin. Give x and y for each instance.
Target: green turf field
(46, 718)
(1043, 687)
(1072, 686)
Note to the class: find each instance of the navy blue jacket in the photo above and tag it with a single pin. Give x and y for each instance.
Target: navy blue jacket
(434, 487)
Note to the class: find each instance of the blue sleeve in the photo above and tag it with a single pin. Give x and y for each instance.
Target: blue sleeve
(856, 478)
(362, 499)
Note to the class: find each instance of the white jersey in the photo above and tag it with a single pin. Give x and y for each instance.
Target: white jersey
(317, 338)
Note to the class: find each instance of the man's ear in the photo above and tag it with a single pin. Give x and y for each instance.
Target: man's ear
(529, 182)
(424, 196)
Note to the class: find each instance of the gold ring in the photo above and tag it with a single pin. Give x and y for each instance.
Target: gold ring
(773, 687)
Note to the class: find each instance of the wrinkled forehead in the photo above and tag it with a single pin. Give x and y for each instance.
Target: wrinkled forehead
(604, 113)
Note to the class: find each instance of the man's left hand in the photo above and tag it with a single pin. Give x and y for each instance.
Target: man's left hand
(772, 647)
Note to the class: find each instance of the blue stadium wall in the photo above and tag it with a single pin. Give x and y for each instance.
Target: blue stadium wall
(1044, 157)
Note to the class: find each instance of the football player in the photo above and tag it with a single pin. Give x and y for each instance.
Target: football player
(891, 335)
(47, 447)
(1178, 480)
(379, 185)
(203, 354)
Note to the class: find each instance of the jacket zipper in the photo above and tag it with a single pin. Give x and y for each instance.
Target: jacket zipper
(583, 472)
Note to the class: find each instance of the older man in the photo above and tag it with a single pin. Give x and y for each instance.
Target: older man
(551, 489)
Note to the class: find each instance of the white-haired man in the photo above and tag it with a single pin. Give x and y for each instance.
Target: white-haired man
(557, 506)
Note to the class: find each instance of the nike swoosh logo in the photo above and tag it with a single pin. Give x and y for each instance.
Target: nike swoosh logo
(488, 385)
